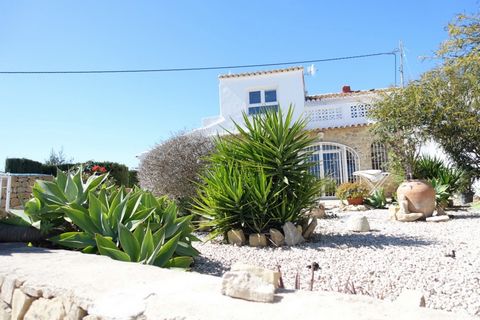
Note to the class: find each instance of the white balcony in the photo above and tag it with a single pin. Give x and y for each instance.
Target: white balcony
(336, 115)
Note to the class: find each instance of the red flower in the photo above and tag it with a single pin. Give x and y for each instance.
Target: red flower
(102, 169)
(95, 168)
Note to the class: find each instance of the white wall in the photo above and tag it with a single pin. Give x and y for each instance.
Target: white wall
(234, 92)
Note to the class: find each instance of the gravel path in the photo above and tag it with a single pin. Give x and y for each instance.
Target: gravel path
(380, 263)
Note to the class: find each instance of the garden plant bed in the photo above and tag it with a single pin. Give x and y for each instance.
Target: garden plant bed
(392, 257)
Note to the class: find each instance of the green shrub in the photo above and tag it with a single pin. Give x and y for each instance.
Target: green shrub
(377, 200)
(118, 172)
(446, 179)
(132, 178)
(22, 165)
(95, 217)
(259, 178)
(351, 190)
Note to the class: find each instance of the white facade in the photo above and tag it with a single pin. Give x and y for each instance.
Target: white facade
(323, 111)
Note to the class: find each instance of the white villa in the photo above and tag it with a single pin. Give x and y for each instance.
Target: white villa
(340, 120)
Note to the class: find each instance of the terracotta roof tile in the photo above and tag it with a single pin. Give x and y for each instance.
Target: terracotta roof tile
(340, 127)
(257, 73)
(319, 97)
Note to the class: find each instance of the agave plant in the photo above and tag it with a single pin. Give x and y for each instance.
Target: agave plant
(134, 226)
(260, 178)
(377, 199)
(50, 197)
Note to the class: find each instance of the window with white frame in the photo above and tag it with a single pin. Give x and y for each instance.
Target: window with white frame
(261, 101)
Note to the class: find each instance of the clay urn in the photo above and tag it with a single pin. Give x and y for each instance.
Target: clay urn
(420, 196)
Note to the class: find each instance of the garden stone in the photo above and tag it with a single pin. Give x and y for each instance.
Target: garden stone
(247, 286)
(292, 235)
(269, 276)
(236, 237)
(5, 311)
(20, 304)
(438, 218)
(409, 217)
(392, 212)
(310, 228)
(277, 237)
(411, 298)
(439, 211)
(318, 213)
(358, 224)
(51, 309)
(257, 240)
(8, 286)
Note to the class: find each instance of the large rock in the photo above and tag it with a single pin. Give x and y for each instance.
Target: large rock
(358, 224)
(318, 213)
(277, 237)
(257, 240)
(310, 228)
(236, 237)
(267, 275)
(246, 285)
(292, 235)
(20, 304)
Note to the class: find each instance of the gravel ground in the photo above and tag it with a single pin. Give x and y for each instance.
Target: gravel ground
(393, 256)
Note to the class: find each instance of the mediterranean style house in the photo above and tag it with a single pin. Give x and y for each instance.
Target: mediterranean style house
(339, 120)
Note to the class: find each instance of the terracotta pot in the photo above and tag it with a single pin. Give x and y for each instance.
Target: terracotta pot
(420, 196)
(355, 201)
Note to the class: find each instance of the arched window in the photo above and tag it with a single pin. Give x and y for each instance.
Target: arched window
(334, 161)
(379, 156)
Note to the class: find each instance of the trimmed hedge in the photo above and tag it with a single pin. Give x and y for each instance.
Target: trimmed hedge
(22, 165)
(132, 178)
(118, 172)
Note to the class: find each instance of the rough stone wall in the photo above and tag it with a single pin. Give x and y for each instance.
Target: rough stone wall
(21, 189)
(358, 138)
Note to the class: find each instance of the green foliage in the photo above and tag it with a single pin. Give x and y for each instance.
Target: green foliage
(446, 179)
(17, 165)
(400, 116)
(132, 178)
(134, 226)
(50, 197)
(260, 177)
(377, 200)
(442, 193)
(351, 190)
(96, 217)
(118, 172)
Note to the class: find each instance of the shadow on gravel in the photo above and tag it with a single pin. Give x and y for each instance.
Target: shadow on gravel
(359, 240)
(208, 266)
(464, 216)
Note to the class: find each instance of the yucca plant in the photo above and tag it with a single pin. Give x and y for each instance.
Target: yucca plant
(259, 178)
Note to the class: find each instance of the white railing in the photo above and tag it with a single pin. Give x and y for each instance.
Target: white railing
(325, 116)
(8, 189)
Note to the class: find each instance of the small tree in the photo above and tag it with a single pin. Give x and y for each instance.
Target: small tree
(454, 92)
(57, 158)
(401, 116)
(172, 167)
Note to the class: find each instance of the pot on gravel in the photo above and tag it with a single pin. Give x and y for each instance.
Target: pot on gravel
(420, 196)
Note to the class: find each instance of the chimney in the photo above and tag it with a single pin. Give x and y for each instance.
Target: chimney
(346, 89)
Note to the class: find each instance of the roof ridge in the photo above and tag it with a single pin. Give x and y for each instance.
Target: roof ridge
(260, 72)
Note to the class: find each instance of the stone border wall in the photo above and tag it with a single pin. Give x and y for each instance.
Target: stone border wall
(21, 188)
(39, 283)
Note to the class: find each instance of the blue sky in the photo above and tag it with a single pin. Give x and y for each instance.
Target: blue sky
(115, 117)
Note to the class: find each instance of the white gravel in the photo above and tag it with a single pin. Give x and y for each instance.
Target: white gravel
(393, 256)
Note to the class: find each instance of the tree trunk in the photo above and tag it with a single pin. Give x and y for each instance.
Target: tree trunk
(11, 233)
